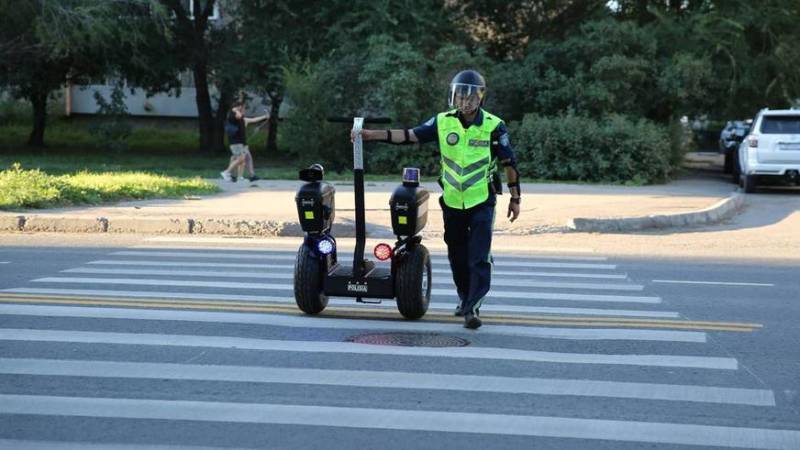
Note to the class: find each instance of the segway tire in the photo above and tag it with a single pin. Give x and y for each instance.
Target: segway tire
(308, 282)
(413, 283)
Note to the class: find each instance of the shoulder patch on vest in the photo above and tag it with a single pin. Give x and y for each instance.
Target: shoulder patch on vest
(452, 138)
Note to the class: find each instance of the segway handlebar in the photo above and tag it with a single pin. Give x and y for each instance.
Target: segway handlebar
(366, 119)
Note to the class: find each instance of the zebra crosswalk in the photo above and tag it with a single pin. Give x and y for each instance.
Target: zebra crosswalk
(192, 347)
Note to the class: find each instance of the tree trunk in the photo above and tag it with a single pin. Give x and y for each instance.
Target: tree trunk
(205, 119)
(225, 101)
(272, 136)
(211, 125)
(39, 102)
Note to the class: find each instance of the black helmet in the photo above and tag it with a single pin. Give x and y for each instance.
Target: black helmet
(467, 91)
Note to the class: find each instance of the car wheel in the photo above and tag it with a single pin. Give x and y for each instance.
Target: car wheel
(749, 183)
(728, 167)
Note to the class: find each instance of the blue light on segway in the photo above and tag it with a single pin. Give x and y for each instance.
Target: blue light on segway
(411, 176)
(325, 246)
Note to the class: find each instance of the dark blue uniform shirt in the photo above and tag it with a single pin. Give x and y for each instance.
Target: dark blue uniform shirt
(501, 145)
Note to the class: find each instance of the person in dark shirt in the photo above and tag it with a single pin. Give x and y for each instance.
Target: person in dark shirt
(472, 143)
(235, 127)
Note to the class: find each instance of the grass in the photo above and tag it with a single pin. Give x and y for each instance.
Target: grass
(20, 188)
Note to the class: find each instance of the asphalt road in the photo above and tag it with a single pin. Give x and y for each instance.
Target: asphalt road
(121, 342)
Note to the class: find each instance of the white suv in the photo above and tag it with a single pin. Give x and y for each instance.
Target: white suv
(772, 149)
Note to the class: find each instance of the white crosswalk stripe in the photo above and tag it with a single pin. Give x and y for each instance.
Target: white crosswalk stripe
(446, 272)
(309, 322)
(290, 276)
(394, 380)
(136, 342)
(181, 340)
(501, 424)
(290, 287)
(291, 257)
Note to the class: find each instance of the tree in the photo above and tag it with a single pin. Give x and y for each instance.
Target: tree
(32, 64)
(507, 27)
(207, 49)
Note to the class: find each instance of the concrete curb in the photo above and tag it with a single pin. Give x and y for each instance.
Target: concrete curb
(154, 225)
(721, 210)
(270, 228)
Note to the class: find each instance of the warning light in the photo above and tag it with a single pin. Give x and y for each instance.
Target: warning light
(325, 246)
(410, 176)
(383, 251)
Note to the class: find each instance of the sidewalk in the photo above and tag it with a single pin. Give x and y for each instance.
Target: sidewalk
(266, 208)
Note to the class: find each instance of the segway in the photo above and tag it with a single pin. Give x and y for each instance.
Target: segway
(317, 272)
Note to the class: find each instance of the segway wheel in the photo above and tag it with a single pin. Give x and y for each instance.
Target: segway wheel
(413, 283)
(308, 287)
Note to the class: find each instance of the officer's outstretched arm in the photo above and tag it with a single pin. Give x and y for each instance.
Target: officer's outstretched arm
(397, 136)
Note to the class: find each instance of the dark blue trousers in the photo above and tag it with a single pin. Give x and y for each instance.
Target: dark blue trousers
(468, 235)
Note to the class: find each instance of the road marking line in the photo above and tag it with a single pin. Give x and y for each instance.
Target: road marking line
(385, 314)
(292, 257)
(387, 379)
(289, 287)
(17, 444)
(723, 283)
(290, 276)
(5, 262)
(295, 321)
(395, 419)
(469, 352)
(349, 244)
(290, 267)
(487, 307)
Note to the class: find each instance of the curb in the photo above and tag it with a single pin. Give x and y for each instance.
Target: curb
(204, 226)
(721, 210)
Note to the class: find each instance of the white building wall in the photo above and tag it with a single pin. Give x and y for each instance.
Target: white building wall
(139, 104)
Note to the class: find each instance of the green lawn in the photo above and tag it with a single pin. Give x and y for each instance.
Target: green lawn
(20, 188)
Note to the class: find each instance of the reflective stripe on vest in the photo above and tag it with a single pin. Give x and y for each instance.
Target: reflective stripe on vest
(466, 159)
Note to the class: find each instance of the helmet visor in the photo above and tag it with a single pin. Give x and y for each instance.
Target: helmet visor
(466, 97)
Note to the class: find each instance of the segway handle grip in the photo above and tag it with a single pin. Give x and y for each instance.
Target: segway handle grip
(366, 119)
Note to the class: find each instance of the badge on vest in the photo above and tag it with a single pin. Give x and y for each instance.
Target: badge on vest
(478, 143)
(452, 138)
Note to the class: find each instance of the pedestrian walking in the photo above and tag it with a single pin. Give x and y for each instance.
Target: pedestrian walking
(473, 145)
(236, 129)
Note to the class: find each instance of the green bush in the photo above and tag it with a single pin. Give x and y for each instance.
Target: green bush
(390, 159)
(611, 150)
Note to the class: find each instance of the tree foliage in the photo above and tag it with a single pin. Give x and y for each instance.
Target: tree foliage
(33, 64)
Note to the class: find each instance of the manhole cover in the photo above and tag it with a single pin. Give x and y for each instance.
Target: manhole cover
(409, 340)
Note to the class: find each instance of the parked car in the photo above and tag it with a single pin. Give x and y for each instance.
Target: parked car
(772, 149)
(729, 139)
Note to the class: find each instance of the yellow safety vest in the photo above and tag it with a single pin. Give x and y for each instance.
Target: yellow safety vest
(467, 164)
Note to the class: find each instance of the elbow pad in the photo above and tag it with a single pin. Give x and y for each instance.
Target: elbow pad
(406, 139)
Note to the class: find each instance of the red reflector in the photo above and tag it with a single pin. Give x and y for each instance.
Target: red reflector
(382, 252)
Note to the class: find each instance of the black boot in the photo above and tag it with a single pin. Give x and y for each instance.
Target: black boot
(472, 321)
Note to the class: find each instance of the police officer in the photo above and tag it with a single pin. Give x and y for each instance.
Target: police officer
(472, 143)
